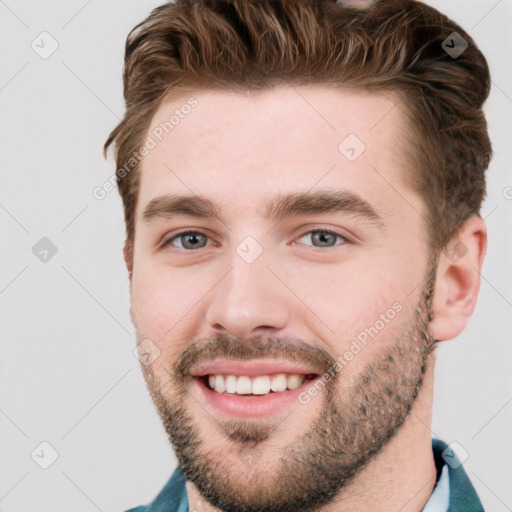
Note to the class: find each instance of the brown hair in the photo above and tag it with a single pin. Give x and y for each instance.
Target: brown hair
(399, 47)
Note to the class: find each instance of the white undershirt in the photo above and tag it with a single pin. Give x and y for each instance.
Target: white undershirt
(440, 499)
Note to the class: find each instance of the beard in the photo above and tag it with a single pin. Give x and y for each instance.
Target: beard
(353, 425)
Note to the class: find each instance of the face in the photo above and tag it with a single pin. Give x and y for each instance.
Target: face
(282, 283)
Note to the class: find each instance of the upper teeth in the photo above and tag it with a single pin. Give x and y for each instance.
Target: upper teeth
(260, 385)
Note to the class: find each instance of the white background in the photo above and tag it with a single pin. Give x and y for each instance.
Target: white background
(68, 375)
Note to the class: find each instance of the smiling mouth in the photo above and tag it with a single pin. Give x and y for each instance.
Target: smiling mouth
(258, 385)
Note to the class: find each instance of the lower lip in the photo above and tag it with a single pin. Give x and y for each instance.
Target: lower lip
(249, 406)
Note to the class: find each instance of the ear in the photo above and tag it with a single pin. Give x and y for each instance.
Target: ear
(128, 257)
(458, 279)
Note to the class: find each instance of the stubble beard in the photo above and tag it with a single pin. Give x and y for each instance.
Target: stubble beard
(350, 430)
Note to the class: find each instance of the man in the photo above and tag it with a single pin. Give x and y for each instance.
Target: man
(301, 183)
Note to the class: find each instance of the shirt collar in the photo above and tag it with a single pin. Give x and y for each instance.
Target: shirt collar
(440, 499)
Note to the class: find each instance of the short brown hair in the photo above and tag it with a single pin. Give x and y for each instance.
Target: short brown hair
(400, 47)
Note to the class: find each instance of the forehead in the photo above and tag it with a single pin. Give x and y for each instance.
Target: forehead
(240, 147)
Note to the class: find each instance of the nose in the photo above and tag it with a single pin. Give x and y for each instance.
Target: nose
(248, 298)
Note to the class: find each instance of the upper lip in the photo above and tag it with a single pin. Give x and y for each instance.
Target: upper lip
(251, 368)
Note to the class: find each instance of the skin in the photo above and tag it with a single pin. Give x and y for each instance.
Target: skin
(240, 150)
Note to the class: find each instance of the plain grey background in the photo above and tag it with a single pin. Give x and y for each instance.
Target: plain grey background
(69, 378)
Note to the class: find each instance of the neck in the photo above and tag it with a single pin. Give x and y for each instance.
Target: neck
(401, 477)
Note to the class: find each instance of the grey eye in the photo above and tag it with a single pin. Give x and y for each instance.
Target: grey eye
(189, 240)
(323, 238)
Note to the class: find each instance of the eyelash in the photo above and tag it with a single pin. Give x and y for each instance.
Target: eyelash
(344, 239)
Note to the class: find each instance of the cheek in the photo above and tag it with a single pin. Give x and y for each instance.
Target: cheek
(157, 304)
(164, 302)
(352, 297)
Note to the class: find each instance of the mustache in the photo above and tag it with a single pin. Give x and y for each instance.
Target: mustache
(256, 347)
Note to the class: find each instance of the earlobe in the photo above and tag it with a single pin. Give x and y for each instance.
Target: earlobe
(128, 257)
(458, 279)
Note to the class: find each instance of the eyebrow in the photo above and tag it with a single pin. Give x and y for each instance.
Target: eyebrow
(278, 208)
